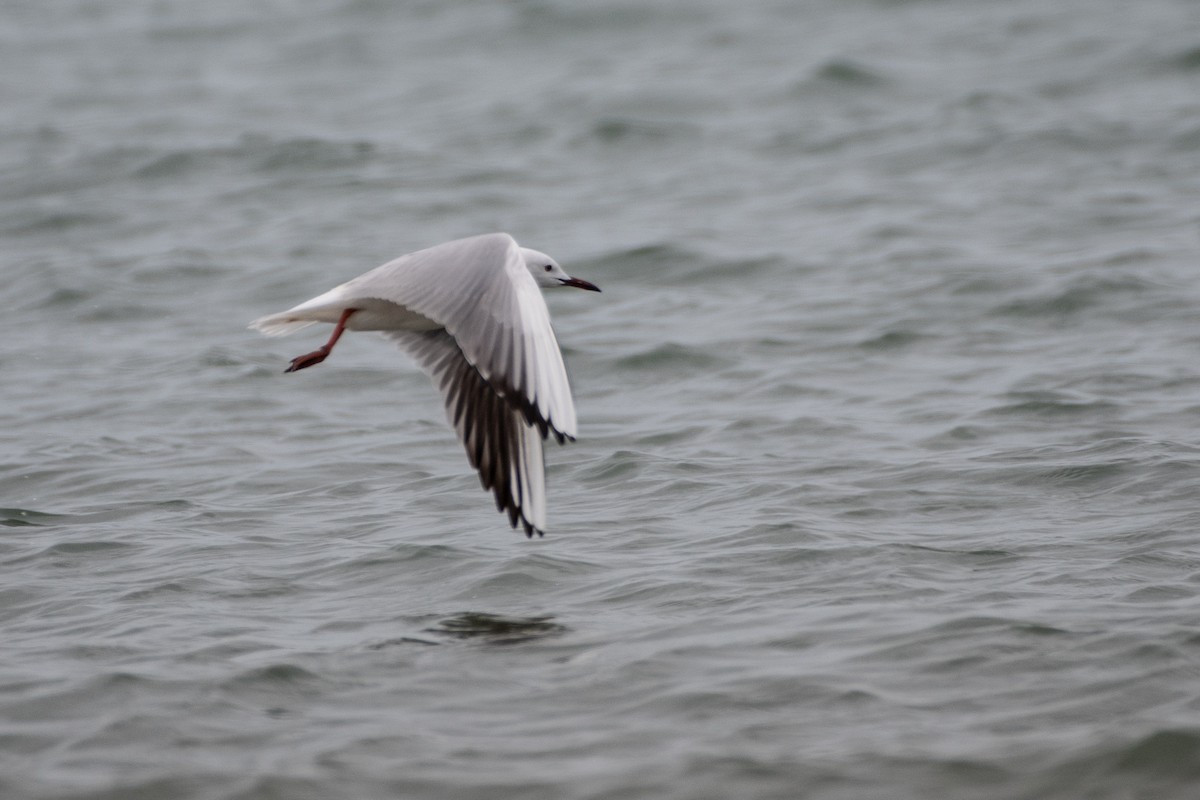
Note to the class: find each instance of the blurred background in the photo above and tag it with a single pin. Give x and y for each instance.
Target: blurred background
(886, 483)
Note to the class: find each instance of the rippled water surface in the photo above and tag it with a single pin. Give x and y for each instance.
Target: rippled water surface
(887, 477)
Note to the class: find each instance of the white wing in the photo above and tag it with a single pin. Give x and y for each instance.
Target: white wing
(500, 443)
(471, 315)
(481, 292)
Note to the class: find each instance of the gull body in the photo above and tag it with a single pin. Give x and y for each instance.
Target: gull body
(470, 313)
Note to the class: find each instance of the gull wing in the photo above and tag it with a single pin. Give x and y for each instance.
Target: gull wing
(481, 292)
(501, 443)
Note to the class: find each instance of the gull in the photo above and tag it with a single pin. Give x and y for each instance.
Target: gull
(470, 314)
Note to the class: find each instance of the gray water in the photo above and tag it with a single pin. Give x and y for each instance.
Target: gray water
(887, 477)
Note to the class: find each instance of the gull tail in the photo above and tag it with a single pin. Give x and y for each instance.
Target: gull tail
(280, 324)
(326, 307)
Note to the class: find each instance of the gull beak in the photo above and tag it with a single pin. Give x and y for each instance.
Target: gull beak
(580, 283)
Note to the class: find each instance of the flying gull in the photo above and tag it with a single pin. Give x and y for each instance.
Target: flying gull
(470, 314)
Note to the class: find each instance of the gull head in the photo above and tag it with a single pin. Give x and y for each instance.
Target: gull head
(546, 272)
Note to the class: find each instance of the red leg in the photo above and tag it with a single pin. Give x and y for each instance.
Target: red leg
(319, 355)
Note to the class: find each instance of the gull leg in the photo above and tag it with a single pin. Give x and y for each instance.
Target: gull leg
(320, 354)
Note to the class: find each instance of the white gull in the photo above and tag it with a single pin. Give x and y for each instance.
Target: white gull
(470, 314)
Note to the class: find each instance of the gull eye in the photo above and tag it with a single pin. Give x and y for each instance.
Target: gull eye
(549, 268)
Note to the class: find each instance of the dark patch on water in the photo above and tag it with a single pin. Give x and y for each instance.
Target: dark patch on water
(402, 641)
(66, 298)
(32, 221)
(1049, 406)
(625, 130)
(1080, 474)
(1080, 295)
(892, 340)
(21, 517)
(497, 628)
(260, 153)
(1187, 60)
(277, 674)
(671, 356)
(649, 263)
(1171, 752)
(845, 72)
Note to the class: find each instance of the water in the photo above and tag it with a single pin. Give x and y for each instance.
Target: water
(886, 484)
